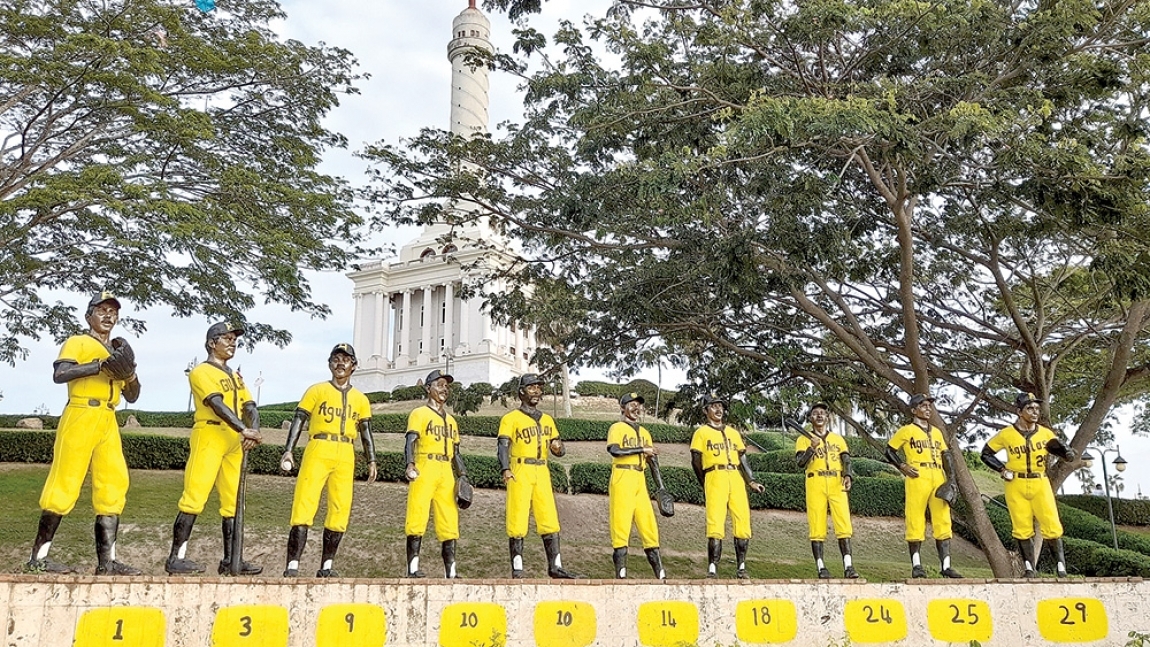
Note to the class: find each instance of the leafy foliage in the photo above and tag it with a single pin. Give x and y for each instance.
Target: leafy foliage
(850, 202)
(167, 155)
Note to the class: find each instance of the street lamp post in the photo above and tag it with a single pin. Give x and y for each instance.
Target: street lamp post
(1120, 465)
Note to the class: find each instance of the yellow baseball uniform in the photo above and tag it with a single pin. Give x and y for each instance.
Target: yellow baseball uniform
(87, 434)
(530, 490)
(435, 448)
(329, 457)
(825, 487)
(1029, 496)
(923, 451)
(216, 453)
(628, 499)
(723, 487)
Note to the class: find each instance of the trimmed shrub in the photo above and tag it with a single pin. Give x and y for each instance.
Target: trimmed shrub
(781, 461)
(376, 397)
(1094, 560)
(1127, 512)
(592, 478)
(9, 421)
(26, 446)
(176, 419)
(860, 448)
(768, 442)
(870, 467)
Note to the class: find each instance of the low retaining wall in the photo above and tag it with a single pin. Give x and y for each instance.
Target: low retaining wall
(42, 611)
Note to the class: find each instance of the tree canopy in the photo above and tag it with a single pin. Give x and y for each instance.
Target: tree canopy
(165, 154)
(870, 199)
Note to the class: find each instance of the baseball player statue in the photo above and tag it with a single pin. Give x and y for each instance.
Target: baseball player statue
(631, 448)
(1029, 497)
(827, 461)
(717, 453)
(97, 370)
(526, 436)
(431, 454)
(929, 484)
(226, 425)
(336, 413)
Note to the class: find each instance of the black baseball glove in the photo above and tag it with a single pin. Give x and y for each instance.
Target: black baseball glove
(463, 493)
(665, 502)
(121, 364)
(947, 492)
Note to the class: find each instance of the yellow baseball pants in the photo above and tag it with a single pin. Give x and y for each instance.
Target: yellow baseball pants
(215, 459)
(726, 491)
(629, 503)
(1030, 500)
(330, 463)
(823, 493)
(530, 491)
(86, 436)
(434, 489)
(920, 497)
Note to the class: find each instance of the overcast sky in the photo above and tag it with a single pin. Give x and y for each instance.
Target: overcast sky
(402, 44)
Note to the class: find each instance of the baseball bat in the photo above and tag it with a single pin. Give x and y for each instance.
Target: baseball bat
(237, 564)
(794, 426)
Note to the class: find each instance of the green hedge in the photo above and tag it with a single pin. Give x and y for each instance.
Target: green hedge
(769, 442)
(781, 461)
(1087, 543)
(171, 453)
(1088, 558)
(870, 497)
(1127, 512)
(10, 421)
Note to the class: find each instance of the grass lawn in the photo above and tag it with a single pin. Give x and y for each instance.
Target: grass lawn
(374, 544)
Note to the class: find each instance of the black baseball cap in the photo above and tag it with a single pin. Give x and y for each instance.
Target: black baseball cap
(223, 328)
(628, 398)
(819, 405)
(346, 349)
(435, 375)
(1024, 399)
(711, 398)
(527, 379)
(103, 297)
(919, 398)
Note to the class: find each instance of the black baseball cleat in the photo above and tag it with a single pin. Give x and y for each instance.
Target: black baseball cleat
(560, 574)
(326, 572)
(182, 567)
(47, 566)
(824, 574)
(952, 574)
(850, 573)
(225, 568)
(917, 572)
(117, 568)
(291, 572)
(742, 574)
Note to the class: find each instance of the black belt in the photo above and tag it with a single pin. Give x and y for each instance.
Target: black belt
(721, 467)
(437, 457)
(823, 473)
(637, 468)
(932, 465)
(531, 461)
(335, 437)
(1028, 475)
(213, 422)
(91, 402)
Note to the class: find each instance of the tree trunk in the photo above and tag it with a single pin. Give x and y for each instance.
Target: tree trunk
(1000, 561)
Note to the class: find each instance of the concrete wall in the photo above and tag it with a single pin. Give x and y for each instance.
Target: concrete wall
(176, 612)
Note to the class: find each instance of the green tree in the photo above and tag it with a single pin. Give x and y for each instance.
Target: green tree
(168, 155)
(869, 199)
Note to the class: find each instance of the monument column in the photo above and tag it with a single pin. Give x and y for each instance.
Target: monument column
(379, 338)
(428, 321)
(405, 332)
(449, 316)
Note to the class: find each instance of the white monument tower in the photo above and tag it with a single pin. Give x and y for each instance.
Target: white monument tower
(409, 317)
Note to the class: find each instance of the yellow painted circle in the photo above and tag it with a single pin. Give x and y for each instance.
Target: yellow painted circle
(1072, 620)
(351, 625)
(564, 624)
(121, 627)
(876, 620)
(468, 623)
(250, 626)
(766, 621)
(959, 620)
(668, 624)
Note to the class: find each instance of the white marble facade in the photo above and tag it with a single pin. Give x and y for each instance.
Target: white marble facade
(409, 317)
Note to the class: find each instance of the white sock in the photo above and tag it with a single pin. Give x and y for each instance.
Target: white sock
(517, 563)
(183, 550)
(414, 565)
(327, 564)
(914, 560)
(293, 565)
(43, 552)
(847, 562)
